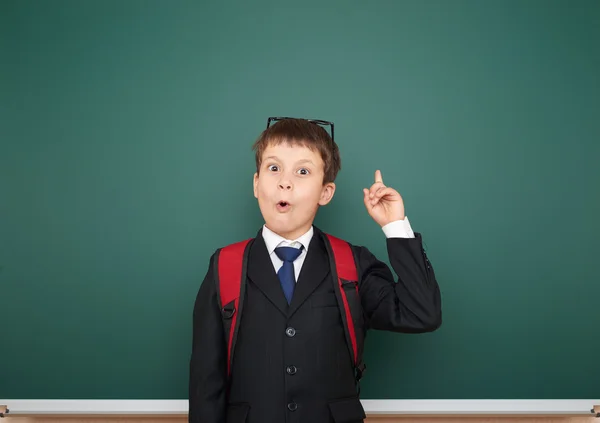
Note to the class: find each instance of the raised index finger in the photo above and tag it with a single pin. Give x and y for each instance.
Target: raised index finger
(378, 177)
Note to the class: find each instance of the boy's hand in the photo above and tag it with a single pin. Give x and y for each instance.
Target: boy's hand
(384, 204)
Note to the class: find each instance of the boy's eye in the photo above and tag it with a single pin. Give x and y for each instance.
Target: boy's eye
(273, 168)
(303, 171)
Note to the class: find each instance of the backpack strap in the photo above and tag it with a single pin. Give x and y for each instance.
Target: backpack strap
(344, 269)
(231, 272)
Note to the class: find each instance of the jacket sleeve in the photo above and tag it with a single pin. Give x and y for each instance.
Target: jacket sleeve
(413, 303)
(208, 365)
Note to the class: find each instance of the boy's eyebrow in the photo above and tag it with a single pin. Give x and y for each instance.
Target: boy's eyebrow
(306, 161)
(298, 162)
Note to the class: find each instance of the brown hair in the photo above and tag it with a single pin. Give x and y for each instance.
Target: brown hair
(305, 133)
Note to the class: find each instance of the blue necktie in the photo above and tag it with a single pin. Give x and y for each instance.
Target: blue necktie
(286, 273)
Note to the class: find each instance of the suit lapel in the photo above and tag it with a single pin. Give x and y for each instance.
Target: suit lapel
(314, 270)
(262, 273)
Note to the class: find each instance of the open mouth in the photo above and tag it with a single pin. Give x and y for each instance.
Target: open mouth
(283, 206)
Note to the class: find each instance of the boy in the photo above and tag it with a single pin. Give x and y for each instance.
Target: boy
(291, 361)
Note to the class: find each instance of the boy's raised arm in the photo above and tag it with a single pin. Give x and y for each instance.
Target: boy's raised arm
(208, 366)
(413, 304)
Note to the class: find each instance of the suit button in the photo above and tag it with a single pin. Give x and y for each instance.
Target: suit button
(292, 406)
(290, 332)
(291, 370)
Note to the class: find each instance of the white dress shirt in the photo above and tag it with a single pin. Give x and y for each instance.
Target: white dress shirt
(396, 229)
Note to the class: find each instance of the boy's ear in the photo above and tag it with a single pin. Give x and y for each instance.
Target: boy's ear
(256, 185)
(327, 193)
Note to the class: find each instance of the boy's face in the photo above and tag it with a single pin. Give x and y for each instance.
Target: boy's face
(290, 189)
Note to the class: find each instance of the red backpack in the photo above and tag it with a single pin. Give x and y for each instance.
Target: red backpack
(231, 266)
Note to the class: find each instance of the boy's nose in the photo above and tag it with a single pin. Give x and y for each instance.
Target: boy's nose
(285, 185)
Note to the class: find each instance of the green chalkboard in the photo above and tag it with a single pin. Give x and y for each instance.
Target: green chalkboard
(125, 161)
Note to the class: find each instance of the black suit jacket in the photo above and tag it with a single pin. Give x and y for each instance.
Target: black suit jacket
(291, 362)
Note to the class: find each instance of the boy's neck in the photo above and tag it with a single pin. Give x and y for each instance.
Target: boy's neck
(291, 236)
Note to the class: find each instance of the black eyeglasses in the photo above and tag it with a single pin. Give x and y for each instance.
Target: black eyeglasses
(316, 121)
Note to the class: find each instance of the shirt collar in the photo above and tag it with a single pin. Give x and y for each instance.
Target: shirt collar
(272, 240)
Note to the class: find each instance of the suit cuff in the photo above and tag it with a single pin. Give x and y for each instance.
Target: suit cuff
(398, 229)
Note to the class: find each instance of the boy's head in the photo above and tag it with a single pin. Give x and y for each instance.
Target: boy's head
(296, 165)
